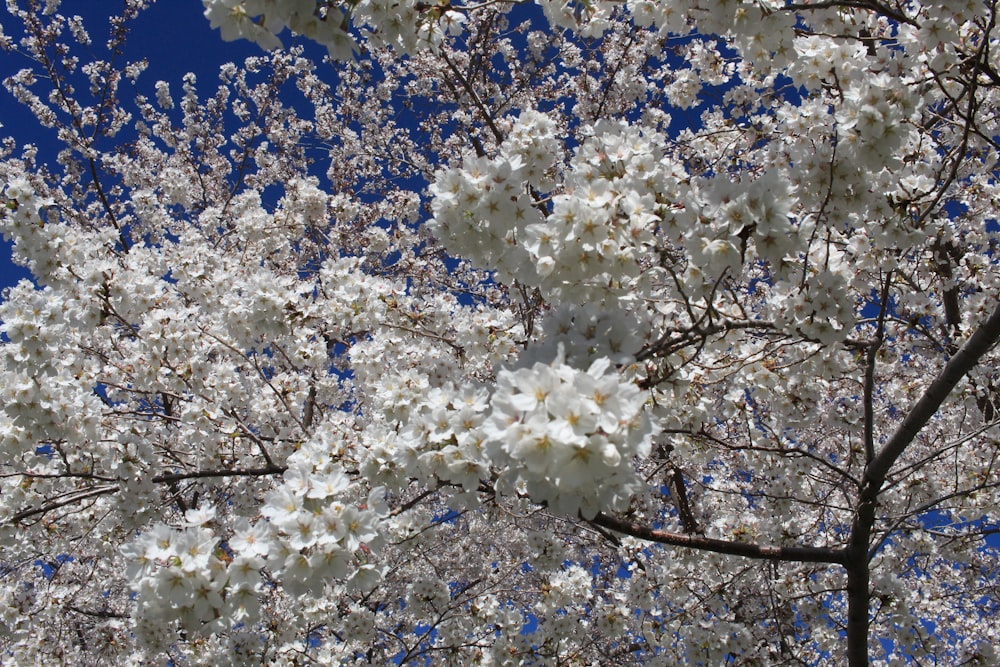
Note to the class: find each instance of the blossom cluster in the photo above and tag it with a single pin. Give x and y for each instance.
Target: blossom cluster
(404, 25)
(442, 439)
(181, 577)
(317, 535)
(311, 535)
(480, 208)
(568, 437)
(591, 245)
(590, 248)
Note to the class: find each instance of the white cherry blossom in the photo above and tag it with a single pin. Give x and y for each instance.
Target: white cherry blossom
(494, 333)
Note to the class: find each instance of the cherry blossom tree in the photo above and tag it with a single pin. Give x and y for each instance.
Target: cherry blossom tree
(568, 333)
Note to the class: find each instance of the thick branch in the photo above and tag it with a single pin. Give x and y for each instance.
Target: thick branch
(870, 359)
(984, 338)
(745, 549)
(199, 474)
(870, 5)
(74, 497)
(167, 478)
(97, 613)
(678, 493)
(858, 553)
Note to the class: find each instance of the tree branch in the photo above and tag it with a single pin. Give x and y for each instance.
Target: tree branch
(858, 555)
(984, 338)
(745, 549)
(74, 497)
(199, 474)
(870, 359)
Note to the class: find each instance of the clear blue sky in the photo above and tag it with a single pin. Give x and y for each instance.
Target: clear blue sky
(174, 36)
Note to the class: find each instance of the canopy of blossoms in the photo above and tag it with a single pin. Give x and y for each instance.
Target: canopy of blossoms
(499, 333)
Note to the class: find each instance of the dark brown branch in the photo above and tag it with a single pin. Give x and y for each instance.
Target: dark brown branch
(745, 549)
(927, 507)
(474, 96)
(677, 339)
(984, 338)
(68, 500)
(413, 501)
(945, 252)
(97, 613)
(871, 6)
(870, 358)
(678, 493)
(168, 478)
(310, 409)
(858, 553)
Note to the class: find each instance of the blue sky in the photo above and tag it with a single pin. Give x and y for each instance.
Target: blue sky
(174, 36)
